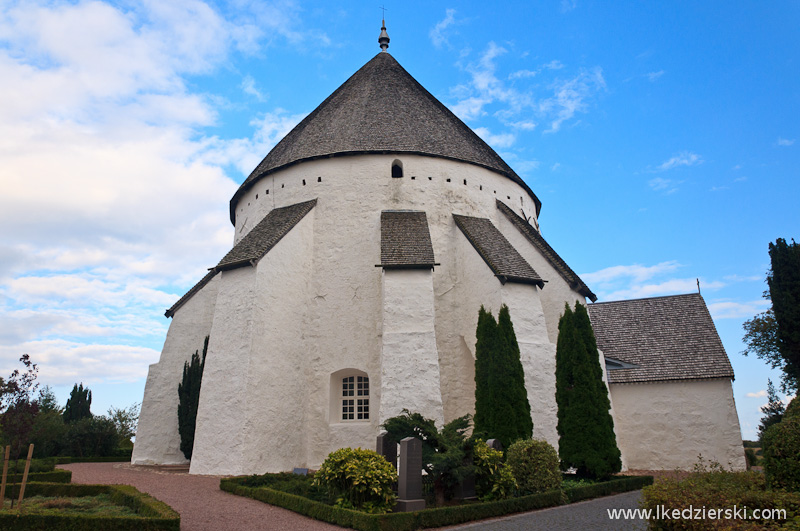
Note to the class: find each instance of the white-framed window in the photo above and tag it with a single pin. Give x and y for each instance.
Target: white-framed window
(355, 398)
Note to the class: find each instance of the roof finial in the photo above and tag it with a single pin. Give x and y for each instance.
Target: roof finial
(383, 40)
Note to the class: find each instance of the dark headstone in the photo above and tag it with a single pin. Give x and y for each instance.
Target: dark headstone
(387, 448)
(409, 495)
(495, 444)
(465, 490)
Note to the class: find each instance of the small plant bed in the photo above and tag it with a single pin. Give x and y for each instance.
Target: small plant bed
(100, 505)
(298, 494)
(86, 507)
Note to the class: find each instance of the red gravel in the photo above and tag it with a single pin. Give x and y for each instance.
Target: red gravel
(202, 506)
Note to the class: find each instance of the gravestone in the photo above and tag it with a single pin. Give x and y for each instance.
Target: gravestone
(495, 445)
(387, 448)
(409, 485)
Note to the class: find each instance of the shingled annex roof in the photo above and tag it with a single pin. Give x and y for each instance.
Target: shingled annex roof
(380, 109)
(265, 235)
(667, 338)
(405, 240)
(548, 252)
(189, 294)
(498, 253)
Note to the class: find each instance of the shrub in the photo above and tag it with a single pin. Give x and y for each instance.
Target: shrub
(782, 454)
(494, 479)
(535, 466)
(359, 479)
(752, 459)
(92, 436)
(715, 488)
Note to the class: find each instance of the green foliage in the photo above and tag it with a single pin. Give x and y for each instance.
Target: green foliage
(359, 479)
(586, 430)
(78, 404)
(751, 457)
(782, 453)
(773, 411)
(189, 398)
(296, 484)
(48, 403)
(494, 480)
(49, 433)
(784, 290)
(793, 409)
(446, 453)
(535, 466)
(713, 487)
(502, 410)
(17, 407)
(94, 436)
(125, 420)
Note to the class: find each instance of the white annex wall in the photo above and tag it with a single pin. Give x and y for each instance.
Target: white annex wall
(157, 438)
(666, 425)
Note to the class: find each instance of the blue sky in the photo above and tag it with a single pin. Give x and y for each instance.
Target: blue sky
(662, 139)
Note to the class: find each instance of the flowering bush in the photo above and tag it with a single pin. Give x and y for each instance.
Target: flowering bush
(535, 465)
(358, 479)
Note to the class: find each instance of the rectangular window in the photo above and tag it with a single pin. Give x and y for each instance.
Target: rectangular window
(355, 408)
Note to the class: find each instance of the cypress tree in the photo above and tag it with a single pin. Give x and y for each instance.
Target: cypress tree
(513, 415)
(585, 427)
(502, 410)
(78, 404)
(784, 290)
(485, 347)
(188, 399)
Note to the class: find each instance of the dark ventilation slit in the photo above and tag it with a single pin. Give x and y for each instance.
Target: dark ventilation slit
(397, 169)
(413, 178)
(304, 182)
(448, 179)
(430, 178)
(319, 179)
(283, 185)
(465, 182)
(267, 192)
(481, 187)
(256, 196)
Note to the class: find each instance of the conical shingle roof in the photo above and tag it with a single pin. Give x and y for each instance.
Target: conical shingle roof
(380, 109)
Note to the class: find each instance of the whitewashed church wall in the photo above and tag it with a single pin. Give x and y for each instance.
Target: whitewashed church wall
(276, 395)
(666, 425)
(409, 357)
(556, 290)
(218, 442)
(537, 355)
(157, 440)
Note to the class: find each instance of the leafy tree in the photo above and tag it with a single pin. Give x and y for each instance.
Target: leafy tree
(774, 335)
(78, 404)
(189, 398)
(125, 420)
(18, 407)
(502, 410)
(48, 402)
(773, 411)
(585, 427)
(446, 453)
(91, 436)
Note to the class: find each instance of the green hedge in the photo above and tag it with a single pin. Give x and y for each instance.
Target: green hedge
(54, 476)
(154, 515)
(429, 517)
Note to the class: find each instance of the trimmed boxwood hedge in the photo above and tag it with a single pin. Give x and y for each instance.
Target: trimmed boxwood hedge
(54, 476)
(429, 517)
(154, 515)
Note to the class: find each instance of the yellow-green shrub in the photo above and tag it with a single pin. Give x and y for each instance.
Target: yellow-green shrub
(535, 465)
(495, 480)
(359, 479)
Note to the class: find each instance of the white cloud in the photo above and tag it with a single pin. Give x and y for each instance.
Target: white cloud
(668, 186)
(437, 33)
(726, 309)
(249, 87)
(571, 96)
(520, 74)
(568, 5)
(684, 158)
(555, 166)
(636, 272)
(760, 394)
(785, 141)
(499, 141)
(639, 281)
(653, 76)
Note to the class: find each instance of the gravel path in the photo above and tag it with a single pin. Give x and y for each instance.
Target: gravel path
(202, 506)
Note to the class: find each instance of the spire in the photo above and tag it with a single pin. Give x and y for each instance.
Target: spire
(383, 40)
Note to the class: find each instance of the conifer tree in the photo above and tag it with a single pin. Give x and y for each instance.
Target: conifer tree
(502, 410)
(585, 427)
(188, 399)
(78, 404)
(485, 349)
(784, 290)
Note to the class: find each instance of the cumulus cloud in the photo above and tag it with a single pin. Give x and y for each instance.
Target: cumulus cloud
(760, 394)
(114, 195)
(499, 141)
(727, 309)
(639, 281)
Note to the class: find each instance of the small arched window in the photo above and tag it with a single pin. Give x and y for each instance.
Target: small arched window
(349, 398)
(397, 169)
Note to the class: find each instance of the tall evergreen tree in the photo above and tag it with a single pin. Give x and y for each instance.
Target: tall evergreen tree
(585, 427)
(188, 399)
(773, 411)
(485, 348)
(78, 404)
(502, 410)
(784, 290)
